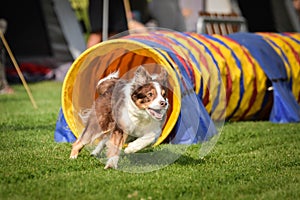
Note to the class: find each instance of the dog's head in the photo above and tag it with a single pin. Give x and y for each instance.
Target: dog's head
(150, 92)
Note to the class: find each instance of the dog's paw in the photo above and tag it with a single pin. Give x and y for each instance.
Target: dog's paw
(73, 156)
(130, 149)
(112, 162)
(95, 153)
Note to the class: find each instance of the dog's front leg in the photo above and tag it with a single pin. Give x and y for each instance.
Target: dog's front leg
(88, 135)
(114, 146)
(140, 143)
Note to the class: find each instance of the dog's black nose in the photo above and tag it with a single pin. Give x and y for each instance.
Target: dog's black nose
(163, 103)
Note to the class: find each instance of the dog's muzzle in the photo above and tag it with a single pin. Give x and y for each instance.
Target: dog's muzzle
(159, 113)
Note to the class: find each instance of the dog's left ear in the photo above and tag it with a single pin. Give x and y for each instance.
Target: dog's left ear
(141, 76)
(163, 77)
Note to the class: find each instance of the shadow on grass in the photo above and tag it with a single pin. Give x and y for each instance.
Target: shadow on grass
(151, 159)
(188, 160)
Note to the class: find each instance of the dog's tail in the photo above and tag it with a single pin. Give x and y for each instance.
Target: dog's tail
(85, 114)
(114, 75)
(108, 83)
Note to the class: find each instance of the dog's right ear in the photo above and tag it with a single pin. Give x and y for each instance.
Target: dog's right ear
(141, 76)
(163, 77)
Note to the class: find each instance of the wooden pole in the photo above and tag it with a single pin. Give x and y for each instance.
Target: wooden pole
(127, 10)
(132, 24)
(18, 69)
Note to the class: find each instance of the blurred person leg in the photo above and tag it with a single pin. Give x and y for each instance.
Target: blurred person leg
(296, 4)
(168, 14)
(116, 20)
(4, 86)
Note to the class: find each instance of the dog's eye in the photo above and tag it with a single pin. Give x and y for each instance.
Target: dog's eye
(163, 93)
(150, 94)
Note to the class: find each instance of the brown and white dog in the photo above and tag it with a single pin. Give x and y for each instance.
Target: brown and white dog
(136, 108)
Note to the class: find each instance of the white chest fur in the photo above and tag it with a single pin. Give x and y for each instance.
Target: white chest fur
(137, 122)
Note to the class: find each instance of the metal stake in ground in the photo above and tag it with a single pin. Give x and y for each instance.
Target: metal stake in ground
(105, 20)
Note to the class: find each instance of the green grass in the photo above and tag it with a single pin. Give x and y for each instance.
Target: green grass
(251, 160)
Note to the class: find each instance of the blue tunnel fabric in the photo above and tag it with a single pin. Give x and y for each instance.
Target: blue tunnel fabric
(285, 107)
(195, 123)
(216, 100)
(268, 59)
(238, 63)
(62, 132)
(191, 127)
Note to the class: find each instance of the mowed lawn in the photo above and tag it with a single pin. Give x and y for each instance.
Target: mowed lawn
(251, 160)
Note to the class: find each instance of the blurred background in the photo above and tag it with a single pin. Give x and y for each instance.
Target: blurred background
(52, 33)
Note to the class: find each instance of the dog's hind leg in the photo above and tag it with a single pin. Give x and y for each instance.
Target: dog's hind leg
(76, 147)
(100, 145)
(78, 144)
(85, 138)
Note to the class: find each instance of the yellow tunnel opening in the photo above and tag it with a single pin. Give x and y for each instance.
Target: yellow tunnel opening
(79, 87)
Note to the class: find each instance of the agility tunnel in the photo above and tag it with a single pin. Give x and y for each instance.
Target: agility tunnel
(212, 79)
